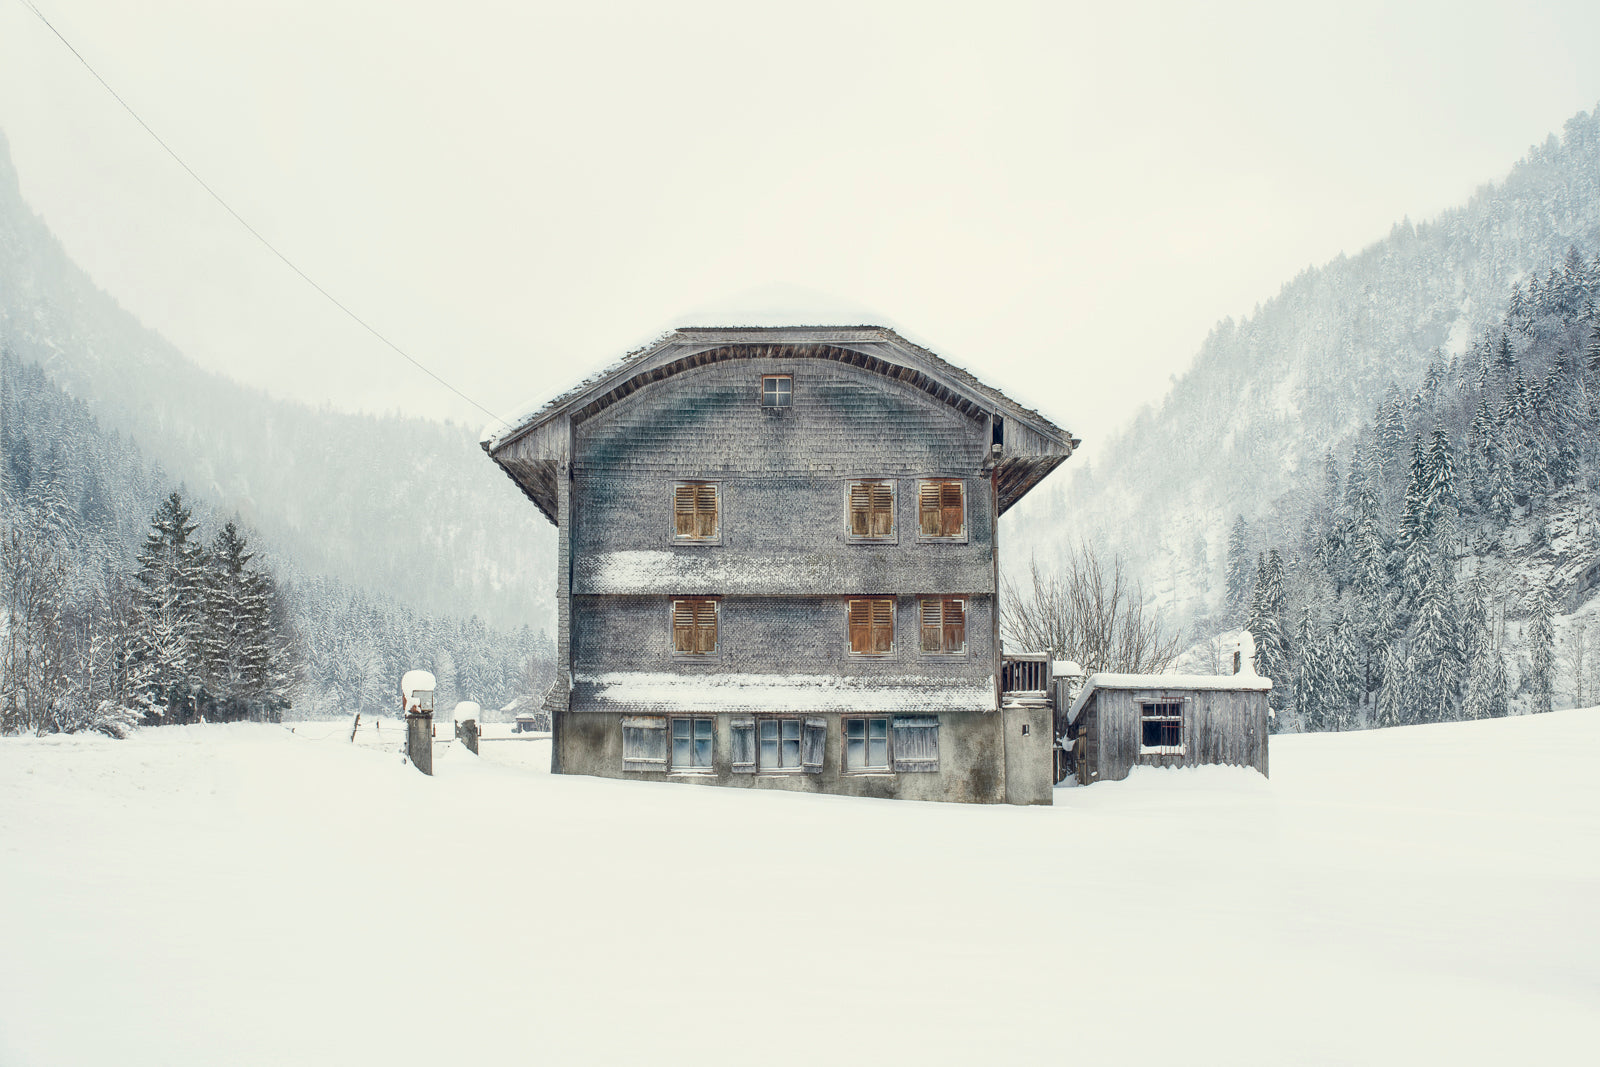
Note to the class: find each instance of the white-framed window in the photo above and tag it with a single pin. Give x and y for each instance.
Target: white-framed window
(777, 390)
(869, 510)
(916, 742)
(697, 513)
(692, 745)
(1161, 728)
(942, 509)
(742, 738)
(866, 744)
(944, 626)
(644, 743)
(870, 626)
(694, 627)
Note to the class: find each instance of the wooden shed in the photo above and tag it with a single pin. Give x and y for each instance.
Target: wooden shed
(1120, 721)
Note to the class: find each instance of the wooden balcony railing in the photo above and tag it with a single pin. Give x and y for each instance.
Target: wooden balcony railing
(1025, 673)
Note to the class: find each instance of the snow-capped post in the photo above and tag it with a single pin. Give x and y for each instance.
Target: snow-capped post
(1244, 657)
(466, 717)
(416, 698)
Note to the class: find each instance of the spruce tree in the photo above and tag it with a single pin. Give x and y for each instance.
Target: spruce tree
(1542, 639)
(169, 606)
(1434, 662)
(1238, 567)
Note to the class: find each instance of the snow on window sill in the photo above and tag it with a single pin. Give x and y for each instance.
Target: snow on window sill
(1161, 750)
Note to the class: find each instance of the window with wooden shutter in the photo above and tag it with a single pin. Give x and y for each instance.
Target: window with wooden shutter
(694, 627)
(871, 624)
(916, 743)
(644, 743)
(942, 508)
(743, 754)
(944, 626)
(866, 744)
(780, 744)
(871, 506)
(692, 741)
(694, 511)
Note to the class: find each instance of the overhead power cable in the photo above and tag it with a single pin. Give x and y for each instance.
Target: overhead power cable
(335, 301)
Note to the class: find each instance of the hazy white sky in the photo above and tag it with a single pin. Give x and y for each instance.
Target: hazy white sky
(1063, 197)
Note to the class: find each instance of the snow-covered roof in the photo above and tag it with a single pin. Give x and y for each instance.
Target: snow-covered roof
(467, 709)
(415, 681)
(1228, 683)
(658, 691)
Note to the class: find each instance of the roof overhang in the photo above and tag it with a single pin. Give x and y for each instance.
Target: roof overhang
(533, 448)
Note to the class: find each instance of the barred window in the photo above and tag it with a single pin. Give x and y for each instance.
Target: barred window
(871, 507)
(695, 510)
(1162, 728)
(871, 624)
(866, 744)
(694, 627)
(644, 743)
(944, 626)
(942, 508)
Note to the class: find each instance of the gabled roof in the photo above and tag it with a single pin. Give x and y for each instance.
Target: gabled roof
(528, 451)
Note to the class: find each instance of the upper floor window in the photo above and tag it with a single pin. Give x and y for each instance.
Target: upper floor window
(694, 627)
(944, 626)
(777, 391)
(871, 506)
(696, 511)
(871, 626)
(942, 508)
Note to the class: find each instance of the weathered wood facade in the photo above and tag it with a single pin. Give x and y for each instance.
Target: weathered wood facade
(1122, 721)
(766, 532)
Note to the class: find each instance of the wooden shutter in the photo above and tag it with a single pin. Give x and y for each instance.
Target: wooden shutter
(744, 746)
(916, 743)
(683, 510)
(951, 513)
(871, 509)
(932, 627)
(694, 626)
(813, 744)
(860, 629)
(955, 626)
(928, 508)
(683, 626)
(882, 509)
(705, 626)
(882, 625)
(705, 511)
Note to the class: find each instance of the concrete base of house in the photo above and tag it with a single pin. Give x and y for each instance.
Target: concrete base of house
(992, 757)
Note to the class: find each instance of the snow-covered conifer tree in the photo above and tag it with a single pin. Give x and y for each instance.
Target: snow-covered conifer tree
(169, 600)
(1542, 648)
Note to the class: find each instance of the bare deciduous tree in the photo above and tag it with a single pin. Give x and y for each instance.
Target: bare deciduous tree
(1090, 612)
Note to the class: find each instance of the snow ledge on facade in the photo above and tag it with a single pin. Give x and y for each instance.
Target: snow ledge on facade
(1216, 682)
(658, 691)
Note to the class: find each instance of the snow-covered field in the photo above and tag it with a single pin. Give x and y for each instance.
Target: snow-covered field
(247, 895)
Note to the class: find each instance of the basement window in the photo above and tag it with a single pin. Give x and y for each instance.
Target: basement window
(696, 512)
(869, 507)
(694, 627)
(871, 624)
(777, 391)
(942, 509)
(644, 743)
(691, 746)
(1161, 726)
(944, 627)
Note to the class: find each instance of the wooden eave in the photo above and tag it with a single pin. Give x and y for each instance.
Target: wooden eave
(532, 452)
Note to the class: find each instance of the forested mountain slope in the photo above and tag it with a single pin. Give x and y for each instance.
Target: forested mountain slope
(394, 505)
(1269, 396)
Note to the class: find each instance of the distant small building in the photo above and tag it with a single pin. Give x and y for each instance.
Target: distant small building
(1120, 721)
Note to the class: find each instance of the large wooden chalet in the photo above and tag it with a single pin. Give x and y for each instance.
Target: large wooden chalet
(778, 566)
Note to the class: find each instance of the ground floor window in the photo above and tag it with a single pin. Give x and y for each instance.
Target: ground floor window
(691, 744)
(916, 743)
(792, 744)
(644, 743)
(866, 744)
(1161, 726)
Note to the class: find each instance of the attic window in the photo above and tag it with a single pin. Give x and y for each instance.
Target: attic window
(694, 627)
(1161, 728)
(944, 626)
(777, 391)
(871, 510)
(871, 627)
(942, 509)
(695, 512)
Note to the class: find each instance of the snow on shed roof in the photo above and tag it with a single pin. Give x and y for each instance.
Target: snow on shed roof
(1236, 683)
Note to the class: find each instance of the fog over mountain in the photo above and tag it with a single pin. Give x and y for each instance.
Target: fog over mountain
(1268, 396)
(401, 505)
